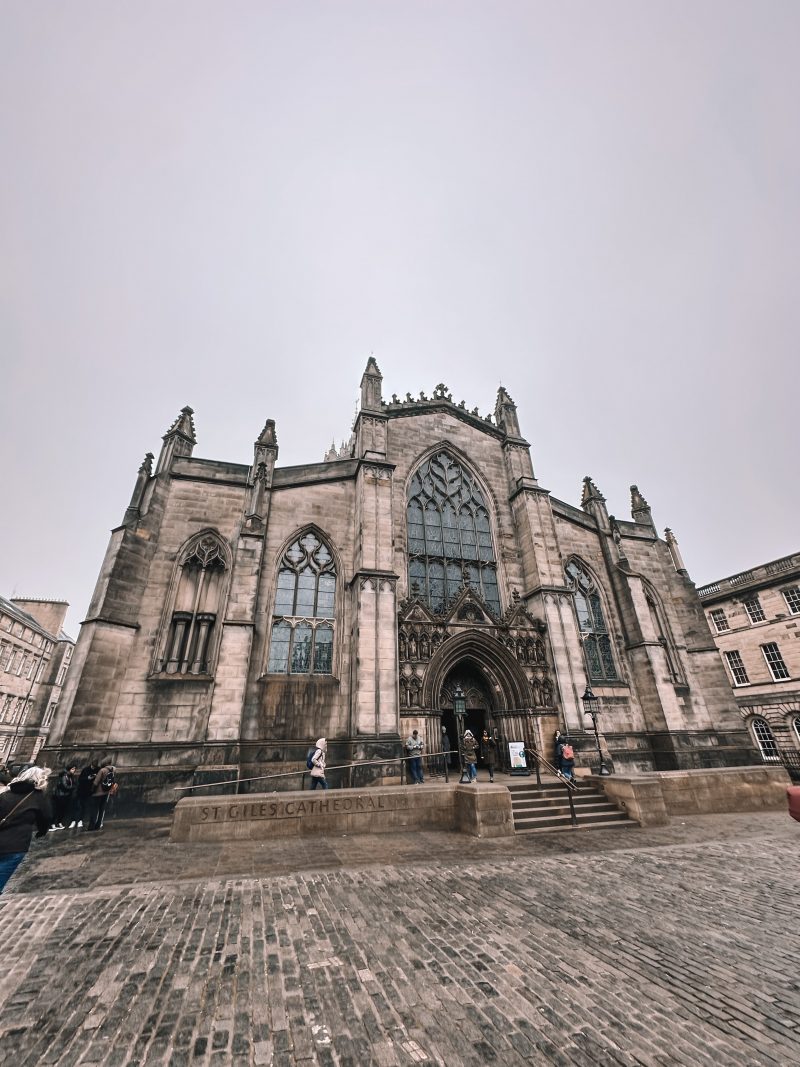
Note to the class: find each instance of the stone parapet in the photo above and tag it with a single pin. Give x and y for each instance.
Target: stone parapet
(652, 798)
(480, 812)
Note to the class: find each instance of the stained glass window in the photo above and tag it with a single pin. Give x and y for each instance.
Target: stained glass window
(449, 535)
(592, 625)
(305, 592)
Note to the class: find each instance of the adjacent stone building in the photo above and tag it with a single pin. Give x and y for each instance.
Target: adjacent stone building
(755, 619)
(243, 610)
(35, 654)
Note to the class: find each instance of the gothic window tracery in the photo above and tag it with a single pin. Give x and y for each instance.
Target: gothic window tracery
(302, 628)
(449, 535)
(197, 603)
(592, 624)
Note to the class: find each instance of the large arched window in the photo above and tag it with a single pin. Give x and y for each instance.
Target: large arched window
(592, 624)
(192, 632)
(796, 725)
(302, 628)
(765, 739)
(449, 536)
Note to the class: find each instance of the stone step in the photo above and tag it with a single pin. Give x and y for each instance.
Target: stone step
(546, 808)
(616, 824)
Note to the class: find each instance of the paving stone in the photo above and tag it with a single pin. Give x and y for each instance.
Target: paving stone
(668, 948)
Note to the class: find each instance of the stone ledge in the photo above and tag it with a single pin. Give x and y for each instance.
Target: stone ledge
(484, 812)
(652, 798)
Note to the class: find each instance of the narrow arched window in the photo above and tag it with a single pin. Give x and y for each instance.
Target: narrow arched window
(305, 594)
(765, 739)
(796, 725)
(192, 632)
(449, 535)
(664, 635)
(592, 624)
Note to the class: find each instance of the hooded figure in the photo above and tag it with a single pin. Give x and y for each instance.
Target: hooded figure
(468, 749)
(489, 753)
(318, 765)
(23, 807)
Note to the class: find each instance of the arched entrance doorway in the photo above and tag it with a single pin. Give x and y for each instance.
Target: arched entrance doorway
(478, 696)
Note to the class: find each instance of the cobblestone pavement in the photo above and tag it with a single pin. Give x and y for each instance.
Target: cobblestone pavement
(676, 945)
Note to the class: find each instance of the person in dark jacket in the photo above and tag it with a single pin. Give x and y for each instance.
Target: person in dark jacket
(23, 808)
(489, 753)
(468, 758)
(83, 795)
(63, 794)
(104, 782)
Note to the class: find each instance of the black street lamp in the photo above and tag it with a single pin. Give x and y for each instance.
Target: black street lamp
(591, 706)
(460, 710)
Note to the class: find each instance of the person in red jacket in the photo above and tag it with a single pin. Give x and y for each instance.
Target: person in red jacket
(23, 808)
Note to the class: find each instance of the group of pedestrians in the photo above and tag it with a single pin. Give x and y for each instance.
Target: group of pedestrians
(469, 751)
(81, 799)
(25, 806)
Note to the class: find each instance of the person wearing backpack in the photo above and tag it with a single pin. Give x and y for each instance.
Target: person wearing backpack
(318, 764)
(104, 782)
(566, 757)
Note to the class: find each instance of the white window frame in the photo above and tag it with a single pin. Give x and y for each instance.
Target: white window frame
(720, 622)
(792, 598)
(776, 662)
(765, 739)
(755, 612)
(734, 666)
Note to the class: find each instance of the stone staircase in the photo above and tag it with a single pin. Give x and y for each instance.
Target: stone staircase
(545, 809)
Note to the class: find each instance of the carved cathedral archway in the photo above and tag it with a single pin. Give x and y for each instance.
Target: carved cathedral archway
(507, 679)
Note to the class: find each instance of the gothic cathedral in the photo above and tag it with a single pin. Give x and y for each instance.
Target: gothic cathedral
(244, 610)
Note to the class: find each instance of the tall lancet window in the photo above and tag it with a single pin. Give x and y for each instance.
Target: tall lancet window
(302, 627)
(191, 638)
(592, 624)
(449, 535)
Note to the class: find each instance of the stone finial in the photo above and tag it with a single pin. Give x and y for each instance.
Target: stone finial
(371, 383)
(183, 426)
(674, 551)
(268, 437)
(179, 441)
(590, 492)
(505, 413)
(147, 464)
(134, 510)
(640, 509)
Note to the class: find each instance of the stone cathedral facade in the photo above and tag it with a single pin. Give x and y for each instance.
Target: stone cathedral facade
(244, 610)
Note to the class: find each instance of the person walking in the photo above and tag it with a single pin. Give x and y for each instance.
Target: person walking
(446, 757)
(318, 765)
(23, 809)
(414, 750)
(468, 757)
(62, 796)
(83, 795)
(104, 782)
(489, 753)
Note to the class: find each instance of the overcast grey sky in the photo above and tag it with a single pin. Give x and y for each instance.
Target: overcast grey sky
(231, 205)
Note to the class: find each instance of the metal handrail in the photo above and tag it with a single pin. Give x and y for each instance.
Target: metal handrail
(570, 785)
(304, 771)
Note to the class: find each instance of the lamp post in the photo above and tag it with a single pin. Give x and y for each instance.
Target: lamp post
(460, 710)
(591, 706)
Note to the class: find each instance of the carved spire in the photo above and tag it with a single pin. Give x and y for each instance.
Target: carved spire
(590, 492)
(265, 454)
(134, 510)
(505, 414)
(674, 551)
(593, 502)
(371, 383)
(179, 440)
(640, 509)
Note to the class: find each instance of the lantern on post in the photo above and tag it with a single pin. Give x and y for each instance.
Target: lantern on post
(591, 706)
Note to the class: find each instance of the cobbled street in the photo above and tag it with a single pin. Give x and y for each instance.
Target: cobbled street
(676, 945)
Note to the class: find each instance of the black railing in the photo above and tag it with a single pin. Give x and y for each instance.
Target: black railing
(791, 761)
(569, 783)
